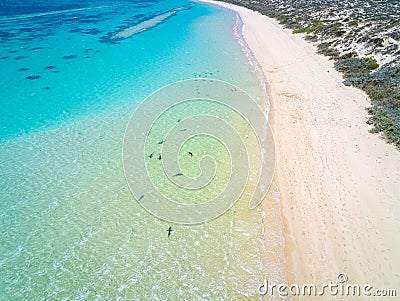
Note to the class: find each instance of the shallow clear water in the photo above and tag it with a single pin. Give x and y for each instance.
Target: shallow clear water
(70, 228)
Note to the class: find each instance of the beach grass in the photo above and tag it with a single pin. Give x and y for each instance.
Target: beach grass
(331, 34)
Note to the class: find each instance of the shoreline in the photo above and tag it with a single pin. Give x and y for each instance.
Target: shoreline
(339, 184)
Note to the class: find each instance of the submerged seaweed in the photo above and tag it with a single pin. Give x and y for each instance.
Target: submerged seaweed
(32, 77)
(70, 57)
(20, 57)
(92, 31)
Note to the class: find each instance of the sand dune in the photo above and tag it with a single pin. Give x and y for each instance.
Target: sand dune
(339, 184)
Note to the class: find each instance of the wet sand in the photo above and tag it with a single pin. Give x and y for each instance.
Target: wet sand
(339, 184)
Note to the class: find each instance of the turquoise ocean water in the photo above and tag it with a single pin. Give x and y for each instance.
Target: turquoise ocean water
(70, 228)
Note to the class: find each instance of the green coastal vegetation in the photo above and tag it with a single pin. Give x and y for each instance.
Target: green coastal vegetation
(362, 37)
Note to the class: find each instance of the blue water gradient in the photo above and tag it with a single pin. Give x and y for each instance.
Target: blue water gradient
(70, 229)
(55, 65)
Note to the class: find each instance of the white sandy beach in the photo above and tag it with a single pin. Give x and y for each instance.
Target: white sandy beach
(339, 184)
